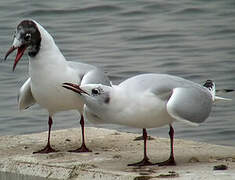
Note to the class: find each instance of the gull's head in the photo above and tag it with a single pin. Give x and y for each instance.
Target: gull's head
(94, 95)
(27, 36)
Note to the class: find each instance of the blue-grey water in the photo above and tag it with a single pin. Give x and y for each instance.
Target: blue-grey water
(187, 38)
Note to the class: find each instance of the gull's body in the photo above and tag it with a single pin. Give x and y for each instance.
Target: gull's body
(148, 101)
(153, 100)
(48, 69)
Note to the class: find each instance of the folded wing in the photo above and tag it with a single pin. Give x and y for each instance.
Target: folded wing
(189, 104)
(25, 97)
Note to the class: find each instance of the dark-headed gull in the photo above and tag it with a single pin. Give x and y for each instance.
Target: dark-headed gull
(48, 69)
(148, 101)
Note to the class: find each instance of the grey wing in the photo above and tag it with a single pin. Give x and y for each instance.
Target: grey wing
(90, 74)
(96, 76)
(25, 97)
(81, 67)
(191, 105)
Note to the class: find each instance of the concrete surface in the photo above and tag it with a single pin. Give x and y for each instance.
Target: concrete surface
(112, 151)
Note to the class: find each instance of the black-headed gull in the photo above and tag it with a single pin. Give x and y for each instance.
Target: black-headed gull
(148, 101)
(48, 69)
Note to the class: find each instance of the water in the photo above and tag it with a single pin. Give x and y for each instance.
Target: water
(187, 38)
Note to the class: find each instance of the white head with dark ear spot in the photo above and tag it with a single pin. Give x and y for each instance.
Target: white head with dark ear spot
(97, 96)
(27, 36)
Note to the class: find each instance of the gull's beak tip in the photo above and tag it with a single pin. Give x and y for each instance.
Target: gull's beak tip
(74, 87)
(12, 48)
(13, 69)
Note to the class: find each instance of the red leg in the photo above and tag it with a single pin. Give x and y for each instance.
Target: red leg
(171, 160)
(83, 147)
(48, 148)
(145, 161)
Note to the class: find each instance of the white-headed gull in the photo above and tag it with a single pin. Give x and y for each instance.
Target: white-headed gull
(148, 101)
(48, 69)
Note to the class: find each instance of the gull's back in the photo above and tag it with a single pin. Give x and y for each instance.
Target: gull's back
(155, 82)
(185, 100)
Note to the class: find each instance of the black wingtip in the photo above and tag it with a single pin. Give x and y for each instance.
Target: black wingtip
(229, 90)
(225, 90)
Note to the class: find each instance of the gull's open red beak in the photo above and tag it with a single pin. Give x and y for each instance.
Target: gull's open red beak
(74, 87)
(19, 54)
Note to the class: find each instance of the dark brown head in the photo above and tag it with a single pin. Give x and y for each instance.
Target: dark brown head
(27, 36)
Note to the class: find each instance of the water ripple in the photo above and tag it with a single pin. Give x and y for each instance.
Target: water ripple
(191, 39)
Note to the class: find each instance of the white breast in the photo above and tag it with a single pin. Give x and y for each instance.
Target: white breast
(139, 111)
(48, 71)
(48, 91)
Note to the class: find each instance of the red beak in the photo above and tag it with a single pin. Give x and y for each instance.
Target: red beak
(19, 54)
(74, 87)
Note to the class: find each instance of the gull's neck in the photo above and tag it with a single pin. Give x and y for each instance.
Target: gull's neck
(118, 97)
(48, 55)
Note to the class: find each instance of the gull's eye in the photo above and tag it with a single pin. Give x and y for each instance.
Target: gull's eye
(27, 37)
(95, 91)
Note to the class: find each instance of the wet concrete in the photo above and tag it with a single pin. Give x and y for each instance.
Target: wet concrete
(111, 152)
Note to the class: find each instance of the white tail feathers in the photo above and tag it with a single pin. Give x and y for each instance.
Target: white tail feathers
(217, 98)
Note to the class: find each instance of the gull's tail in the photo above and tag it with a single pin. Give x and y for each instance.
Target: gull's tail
(210, 85)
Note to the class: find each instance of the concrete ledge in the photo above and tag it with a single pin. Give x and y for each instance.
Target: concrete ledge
(112, 151)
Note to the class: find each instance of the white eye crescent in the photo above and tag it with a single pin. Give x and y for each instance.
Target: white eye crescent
(95, 91)
(27, 37)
